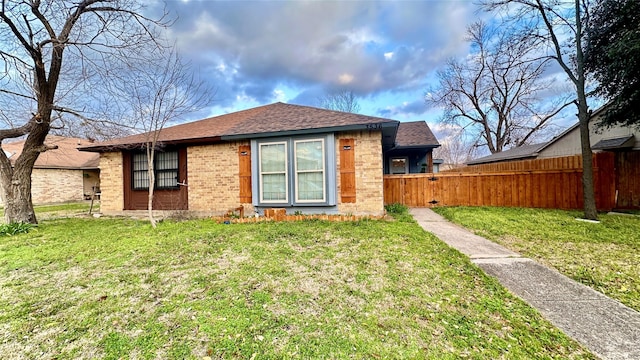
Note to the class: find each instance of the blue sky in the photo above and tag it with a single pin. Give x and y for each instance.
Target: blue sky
(260, 52)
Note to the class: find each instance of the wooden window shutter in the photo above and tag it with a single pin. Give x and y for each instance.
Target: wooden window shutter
(347, 171)
(244, 155)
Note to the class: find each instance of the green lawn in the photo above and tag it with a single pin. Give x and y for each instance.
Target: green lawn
(62, 210)
(605, 256)
(116, 288)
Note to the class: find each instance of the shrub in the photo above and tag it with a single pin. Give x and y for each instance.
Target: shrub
(15, 228)
(397, 209)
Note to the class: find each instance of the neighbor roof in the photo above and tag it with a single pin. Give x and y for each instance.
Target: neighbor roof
(269, 120)
(520, 152)
(615, 143)
(66, 156)
(415, 134)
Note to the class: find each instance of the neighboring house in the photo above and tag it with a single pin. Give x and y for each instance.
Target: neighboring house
(275, 156)
(616, 138)
(437, 164)
(412, 152)
(62, 174)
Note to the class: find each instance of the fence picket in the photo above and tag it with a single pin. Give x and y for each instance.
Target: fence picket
(544, 183)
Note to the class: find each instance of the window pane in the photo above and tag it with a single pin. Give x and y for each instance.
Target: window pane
(166, 179)
(140, 162)
(272, 158)
(309, 155)
(167, 160)
(398, 165)
(140, 174)
(274, 187)
(310, 186)
(140, 179)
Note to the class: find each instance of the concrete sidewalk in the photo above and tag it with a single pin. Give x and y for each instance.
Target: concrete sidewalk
(607, 328)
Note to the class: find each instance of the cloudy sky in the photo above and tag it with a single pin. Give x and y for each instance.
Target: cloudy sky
(260, 52)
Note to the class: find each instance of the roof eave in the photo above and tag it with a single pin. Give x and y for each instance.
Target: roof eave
(54, 167)
(140, 145)
(355, 127)
(410, 147)
(487, 161)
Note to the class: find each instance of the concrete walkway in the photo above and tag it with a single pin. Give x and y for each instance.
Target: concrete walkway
(607, 328)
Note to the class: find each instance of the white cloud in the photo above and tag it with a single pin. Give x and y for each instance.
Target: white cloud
(279, 95)
(371, 47)
(345, 79)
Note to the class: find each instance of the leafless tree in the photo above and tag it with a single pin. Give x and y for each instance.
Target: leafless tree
(494, 94)
(455, 148)
(55, 57)
(156, 94)
(345, 101)
(548, 23)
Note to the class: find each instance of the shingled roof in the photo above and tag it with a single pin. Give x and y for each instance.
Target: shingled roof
(516, 153)
(66, 156)
(268, 120)
(622, 142)
(415, 134)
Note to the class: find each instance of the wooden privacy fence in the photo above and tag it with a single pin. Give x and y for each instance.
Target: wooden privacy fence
(545, 183)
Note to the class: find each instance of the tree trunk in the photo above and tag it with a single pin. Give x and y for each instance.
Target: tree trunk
(589, 197)
(18, 207)
(16, 180)
(152, 182)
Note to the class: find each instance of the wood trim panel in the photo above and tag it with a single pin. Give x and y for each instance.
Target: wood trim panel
(244, 173)
(347, 171)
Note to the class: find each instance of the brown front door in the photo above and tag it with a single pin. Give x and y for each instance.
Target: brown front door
(171, 181)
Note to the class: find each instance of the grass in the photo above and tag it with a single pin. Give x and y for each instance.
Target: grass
(116, 288)
(50, 211)
(603, 256)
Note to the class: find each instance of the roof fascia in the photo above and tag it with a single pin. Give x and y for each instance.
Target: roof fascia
(358, 127)
(515, 157)
(409, 147)
(557, 138)
(593, 115)
(139, 145)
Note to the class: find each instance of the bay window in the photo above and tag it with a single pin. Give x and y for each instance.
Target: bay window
(295, 171)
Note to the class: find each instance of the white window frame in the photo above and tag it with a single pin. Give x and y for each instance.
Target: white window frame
(286, 173)
(296, 171)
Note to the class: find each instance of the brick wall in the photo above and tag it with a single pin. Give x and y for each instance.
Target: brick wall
(56, 185)
(214, 186)
(91, 178)
(111, 172)
(369, 173)
(214, 180)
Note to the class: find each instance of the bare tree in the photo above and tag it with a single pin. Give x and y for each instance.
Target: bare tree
(455, 148)
(156, 94)
(53, 54)
(345, 101)
(547, 23)
(494, 93)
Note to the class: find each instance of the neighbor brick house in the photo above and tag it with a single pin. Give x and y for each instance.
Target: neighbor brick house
(63, 174)
(275, 156)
